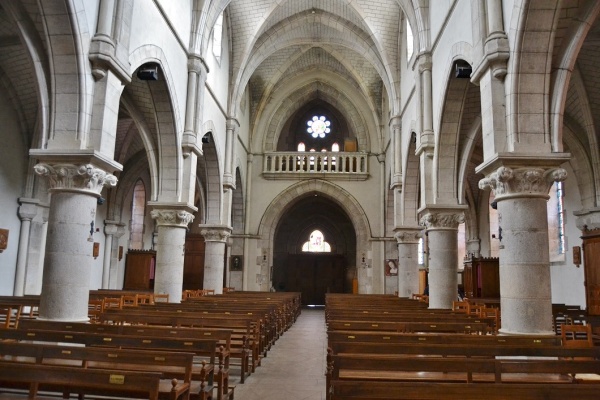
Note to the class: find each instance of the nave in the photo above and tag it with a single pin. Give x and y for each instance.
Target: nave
(295, 367)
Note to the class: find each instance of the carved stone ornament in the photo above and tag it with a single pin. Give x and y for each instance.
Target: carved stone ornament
(506, 181)
(84, 178)
(448, 220)
(215, 235)
(407, 236)
(178, 218)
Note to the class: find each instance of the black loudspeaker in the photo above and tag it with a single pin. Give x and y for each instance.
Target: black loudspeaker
(463, 71)
(148, 72)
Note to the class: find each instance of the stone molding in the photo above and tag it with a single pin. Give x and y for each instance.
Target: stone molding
(442, 220)
(28, 209)
(534, 181)
(175, 218)
(84, 178)
(197, 64)
(215, 233)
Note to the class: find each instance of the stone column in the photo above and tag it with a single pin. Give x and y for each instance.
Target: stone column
(27, 212)
(74, 191)
(215, 237)
(525, 291)
(172, 221)
(113, 274)
(473, 246)
(110, 229)
(396, 136)
(408, 260)
(442, 230)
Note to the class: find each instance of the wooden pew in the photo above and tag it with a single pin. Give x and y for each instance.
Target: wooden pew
(408, 338)
(222, 337)
(176, 368)
(412, 327)
(204, 349)
(242, 326)
(369, 390)
(82, 380)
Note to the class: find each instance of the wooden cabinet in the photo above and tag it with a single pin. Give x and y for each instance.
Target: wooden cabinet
(481, 277)
(139, 270)
(193, 263)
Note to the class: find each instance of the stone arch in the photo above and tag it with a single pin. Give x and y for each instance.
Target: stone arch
(447, 141)
(567, 57)
(146, 136)
(467, 150)
(35, 48)
(136, 168)
(209, 173)
(290, 196)
(274, 121)
(526, 40)
(582, 167)
(168, 123)
(411, 183)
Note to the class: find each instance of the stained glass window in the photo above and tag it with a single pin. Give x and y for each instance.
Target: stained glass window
(318, 127)
(316, 243)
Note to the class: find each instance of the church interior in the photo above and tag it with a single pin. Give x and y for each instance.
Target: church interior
(393, 163)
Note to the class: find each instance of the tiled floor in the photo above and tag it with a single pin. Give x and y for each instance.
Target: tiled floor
(294, 368)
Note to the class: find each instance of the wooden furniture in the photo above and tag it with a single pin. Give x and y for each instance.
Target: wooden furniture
(591, 265)
(481, 277)
(139, 270)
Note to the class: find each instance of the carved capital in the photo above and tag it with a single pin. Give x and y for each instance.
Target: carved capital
(407, 236)
(176, 218)
(534, 181)
(79, 178)
(215, 233)
(442, 220)
(197, 65)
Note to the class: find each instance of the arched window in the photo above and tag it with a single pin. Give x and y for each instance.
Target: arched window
(316, 243)
(335, 147)
(409, 41)
(556, 222)
(217, 45)
(301, 147)
(138, 212)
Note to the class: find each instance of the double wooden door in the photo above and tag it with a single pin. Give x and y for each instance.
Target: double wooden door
(314, 275)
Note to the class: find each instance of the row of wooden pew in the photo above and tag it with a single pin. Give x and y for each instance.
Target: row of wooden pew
(180, 350)
(373, 355)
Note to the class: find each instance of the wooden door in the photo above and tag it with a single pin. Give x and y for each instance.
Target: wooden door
(193, 262)
(591, 260)
(314, 275)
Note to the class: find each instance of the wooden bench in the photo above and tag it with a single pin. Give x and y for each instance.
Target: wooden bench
(369, 390)
(176, 368)
(245, 336)
(82, 380)
(204, 350)
(222, 336)
(412, 327)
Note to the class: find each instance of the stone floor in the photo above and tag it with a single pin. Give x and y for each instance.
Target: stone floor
(294, 368)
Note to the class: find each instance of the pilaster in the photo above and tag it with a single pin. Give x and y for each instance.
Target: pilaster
(28, 210)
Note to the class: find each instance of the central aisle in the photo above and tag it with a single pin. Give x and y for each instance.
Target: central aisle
(294, 368)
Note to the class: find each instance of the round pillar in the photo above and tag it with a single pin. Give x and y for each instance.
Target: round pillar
(65, 285)
(525, 291)
(442, 230)
(408, 261)
(215, 238)
(170, 248)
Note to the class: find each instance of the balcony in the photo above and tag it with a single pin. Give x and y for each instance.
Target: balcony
(327, 165)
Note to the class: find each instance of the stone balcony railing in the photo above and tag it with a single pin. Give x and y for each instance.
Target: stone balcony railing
(330, 165)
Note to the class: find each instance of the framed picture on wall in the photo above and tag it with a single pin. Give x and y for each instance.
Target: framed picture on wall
(391, 267)
(236, 263)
